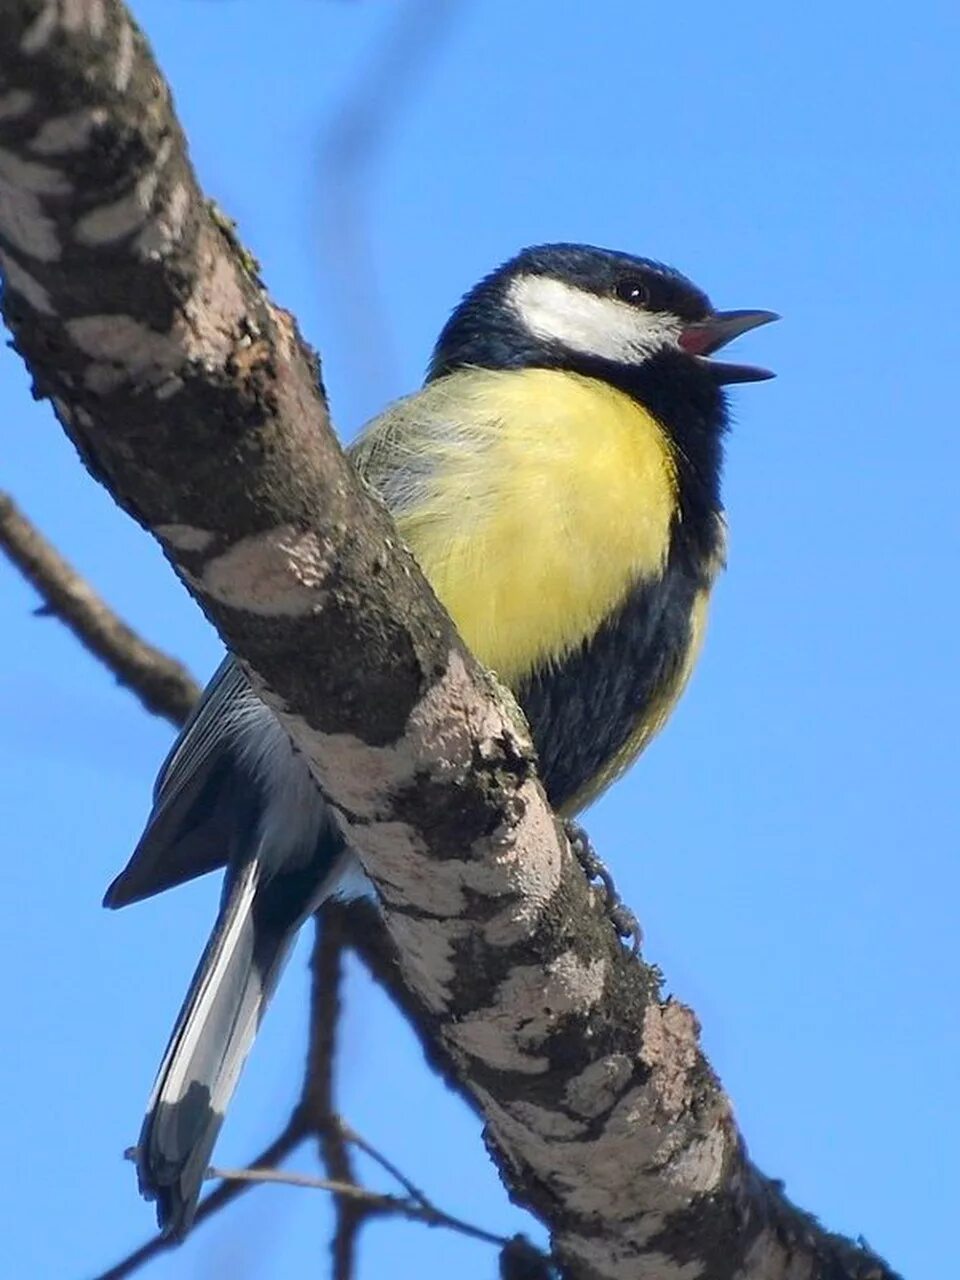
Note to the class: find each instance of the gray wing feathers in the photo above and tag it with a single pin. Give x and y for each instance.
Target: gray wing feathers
(193, 824)
(226, 693)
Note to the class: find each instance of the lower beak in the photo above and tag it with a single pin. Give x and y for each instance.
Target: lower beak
(707, 336)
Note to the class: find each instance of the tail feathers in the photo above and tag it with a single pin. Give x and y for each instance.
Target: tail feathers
(207, 1050)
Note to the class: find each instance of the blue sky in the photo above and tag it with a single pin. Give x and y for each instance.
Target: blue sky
(790, 842)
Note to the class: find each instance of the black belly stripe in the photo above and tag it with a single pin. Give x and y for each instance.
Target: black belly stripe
(584, 709)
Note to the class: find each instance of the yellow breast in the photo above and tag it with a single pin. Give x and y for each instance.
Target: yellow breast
(550, 499)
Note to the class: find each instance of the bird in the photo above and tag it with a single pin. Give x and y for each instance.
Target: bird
(557, 478)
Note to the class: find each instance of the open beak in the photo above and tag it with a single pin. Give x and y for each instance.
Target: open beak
(707, 336)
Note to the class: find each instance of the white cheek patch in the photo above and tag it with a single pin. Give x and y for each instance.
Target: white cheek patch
(582, 321)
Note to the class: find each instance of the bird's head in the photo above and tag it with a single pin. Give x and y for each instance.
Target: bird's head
(577, 307)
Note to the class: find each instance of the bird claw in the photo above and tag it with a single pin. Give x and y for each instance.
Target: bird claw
(620, 916)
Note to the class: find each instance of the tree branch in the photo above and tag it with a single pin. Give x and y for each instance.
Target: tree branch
(318, 1100)
(420, 1210)
(194, 400)
(163, 685)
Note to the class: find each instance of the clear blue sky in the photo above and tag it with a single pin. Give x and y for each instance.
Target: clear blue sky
(791, 841)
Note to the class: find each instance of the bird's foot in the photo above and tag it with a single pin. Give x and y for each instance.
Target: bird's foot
(620, 916)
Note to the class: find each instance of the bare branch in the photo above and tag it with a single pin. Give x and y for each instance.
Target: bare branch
(318, 1100)
(414, 1210)
(163, 685)
(355, 1140)
(191, 396)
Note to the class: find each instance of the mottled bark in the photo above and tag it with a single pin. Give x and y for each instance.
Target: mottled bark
(193, 399)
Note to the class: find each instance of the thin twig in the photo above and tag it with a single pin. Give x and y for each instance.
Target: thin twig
(379, 1201)
(351, 1190)
(318, 1100)
(282, 1146)
(162, 684)
(350, 1134)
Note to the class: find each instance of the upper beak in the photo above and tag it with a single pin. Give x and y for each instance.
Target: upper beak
(706, 336)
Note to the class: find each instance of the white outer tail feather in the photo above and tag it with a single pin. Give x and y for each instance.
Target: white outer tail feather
(173, 1079)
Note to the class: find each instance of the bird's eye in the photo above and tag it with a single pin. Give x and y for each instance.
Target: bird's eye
(633, 290)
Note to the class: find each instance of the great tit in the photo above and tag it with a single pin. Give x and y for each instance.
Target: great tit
(558, 480)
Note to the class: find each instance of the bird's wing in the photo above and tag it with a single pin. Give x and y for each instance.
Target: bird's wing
(398, 452)
(193, 820)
